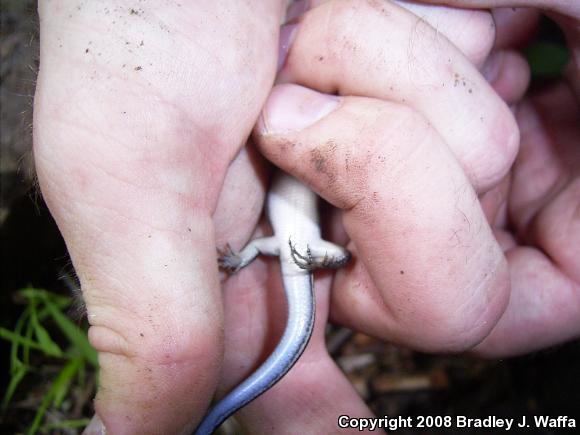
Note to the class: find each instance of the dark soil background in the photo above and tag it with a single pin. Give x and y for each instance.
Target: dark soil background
(393, 381)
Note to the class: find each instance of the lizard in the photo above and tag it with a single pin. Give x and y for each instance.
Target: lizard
(292, 210)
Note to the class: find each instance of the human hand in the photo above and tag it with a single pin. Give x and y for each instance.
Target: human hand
(534, 211)
(431, 273)
(315, 393)
(139, 113)
(405, 166)
(334, 51)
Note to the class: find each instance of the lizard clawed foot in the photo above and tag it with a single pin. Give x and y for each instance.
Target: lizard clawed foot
(305, 262)
(232, 261)
(337, 257)
(229, 260)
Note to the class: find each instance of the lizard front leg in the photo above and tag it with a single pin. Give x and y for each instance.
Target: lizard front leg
(232, 261)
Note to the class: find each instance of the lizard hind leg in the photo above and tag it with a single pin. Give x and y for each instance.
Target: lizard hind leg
(232, 261)
(320, 254)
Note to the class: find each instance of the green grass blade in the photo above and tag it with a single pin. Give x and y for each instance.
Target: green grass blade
(40, 414)
(32, 293)
(15, 362)
(16, 338)
(61, 384)
(75, 335)
(56, 393)
(42, 335)
(15, 379)
(30, 334)
(37, 293)
(26, 349)
(82, 375)
(81, 423)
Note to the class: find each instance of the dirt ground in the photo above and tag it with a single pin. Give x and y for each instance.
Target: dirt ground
(392, 380)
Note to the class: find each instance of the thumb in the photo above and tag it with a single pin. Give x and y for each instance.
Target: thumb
(118, 181)
(147, 268)
(424, 248)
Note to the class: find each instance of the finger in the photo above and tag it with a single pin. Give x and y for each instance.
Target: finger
(309, 399)
(472, 32)
(343, 47)
(494, 204)
(428, 271)
(456, 24)
(508, 73)
(515, 27)
(247, 177)
(566, 13)
(544, 307)
(565, 7)
(122, 157)
(459, 26)
(543, 310)
(544, 195)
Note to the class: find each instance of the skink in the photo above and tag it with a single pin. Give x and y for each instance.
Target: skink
(293, 214)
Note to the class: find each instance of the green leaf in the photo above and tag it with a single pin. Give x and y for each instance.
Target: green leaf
(82, 375)
(31, 293)
(67, 424)
(16, 338)
(56, 393)
(36, 293)
(40, 413)
(61, 384)
(15, 362)
(74, 334)
(42, 335)
(28, 334)
(15, 379)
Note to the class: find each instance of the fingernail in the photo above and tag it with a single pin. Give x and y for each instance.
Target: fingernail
(95, 427)
(492, 66)
(296, 9)
(292, 108)
(287, 33)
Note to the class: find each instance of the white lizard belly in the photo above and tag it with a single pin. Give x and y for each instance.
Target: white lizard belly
(293, 214)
